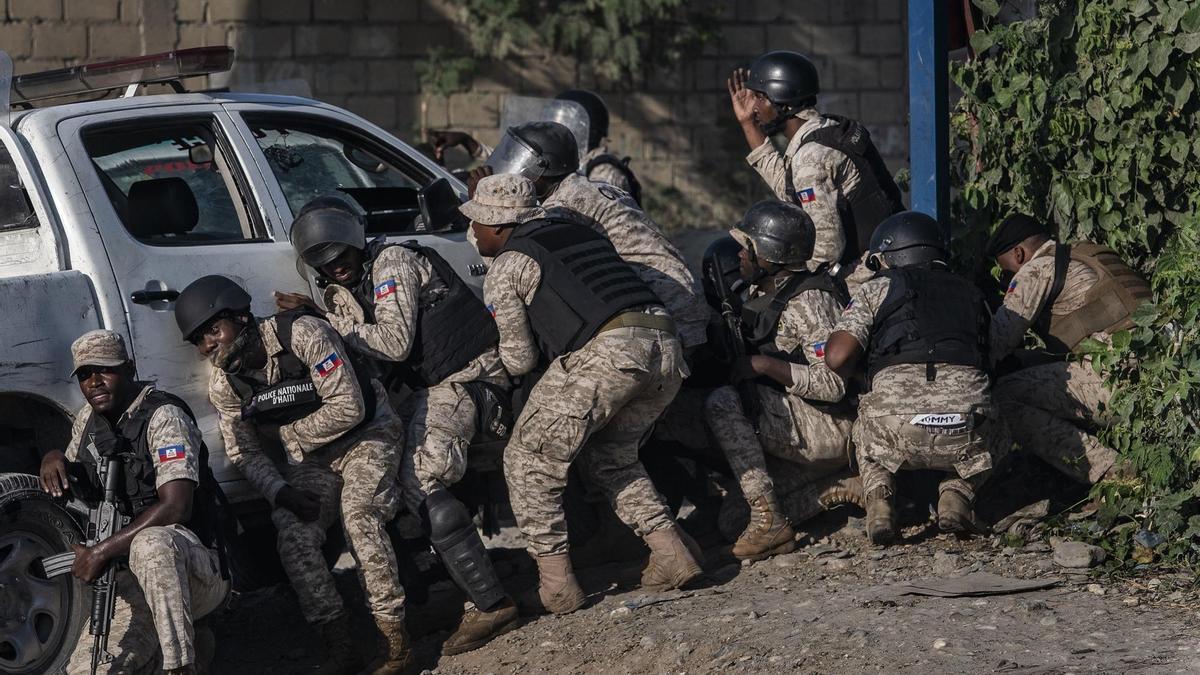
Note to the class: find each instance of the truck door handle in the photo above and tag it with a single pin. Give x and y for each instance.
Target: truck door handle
(147, 297)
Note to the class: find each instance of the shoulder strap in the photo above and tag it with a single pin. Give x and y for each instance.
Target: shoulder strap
(1062, 258)
(289, 364)
(620, 164)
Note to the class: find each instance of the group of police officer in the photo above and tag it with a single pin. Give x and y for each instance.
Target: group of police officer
(859, 347)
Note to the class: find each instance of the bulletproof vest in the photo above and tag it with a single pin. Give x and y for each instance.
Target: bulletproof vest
(131, 442)
(621, 164)
(760, 315)
(452, 330)
(584, 283)
(874, 198)
(930, 316)
(1108, 305)
(295, 395)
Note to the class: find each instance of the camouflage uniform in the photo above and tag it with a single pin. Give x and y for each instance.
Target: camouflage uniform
(1054, 407)
(605, 173)
(640, 242)
(594, 405)
(828, 173)
(442, 418)
(887, 435)
(789, 427)
(329, 454)
(173, 579)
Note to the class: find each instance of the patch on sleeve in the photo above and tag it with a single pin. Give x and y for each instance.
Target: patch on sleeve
(1011, 286)
(491, 310)
(848, 307)
(807, 195)
(329, 364)
(171, 453)
(385, 289)
(819, 350)
(610, 192)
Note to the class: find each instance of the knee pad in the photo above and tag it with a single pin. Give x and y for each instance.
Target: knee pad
(456, 540)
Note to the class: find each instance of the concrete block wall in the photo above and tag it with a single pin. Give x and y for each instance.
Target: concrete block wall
(676, 124)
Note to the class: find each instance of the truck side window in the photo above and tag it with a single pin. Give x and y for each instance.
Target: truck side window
(311, 157)
(15, 211)
(170, 183)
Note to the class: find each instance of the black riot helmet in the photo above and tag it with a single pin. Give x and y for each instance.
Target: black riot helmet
(536, 149)
(597, 113)
(324, 229)
(777, 232)
(204, 299)
(788, 80)
(721, 269)
(907, 239)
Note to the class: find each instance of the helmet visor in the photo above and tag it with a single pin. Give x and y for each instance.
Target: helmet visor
(515, 156)
(520, 110)
(323, 254)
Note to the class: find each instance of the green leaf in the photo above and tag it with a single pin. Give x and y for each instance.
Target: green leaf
(988, 7)
(1140, 7)
(1188, 42)
(1190, 21)
(1160, 55)
(1183, 93)
(981, 41)
(1095, 107)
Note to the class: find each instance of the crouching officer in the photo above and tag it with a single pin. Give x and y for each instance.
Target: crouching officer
(403, 306)
(290, 374)
(562, 298)
(1066, 293)
(924, 334)
(175, 573)
(793, 411)
(830, 167)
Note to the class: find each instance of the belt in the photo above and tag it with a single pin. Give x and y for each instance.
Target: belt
(633, 319)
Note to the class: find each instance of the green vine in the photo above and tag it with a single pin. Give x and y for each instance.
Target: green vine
(1086, 116)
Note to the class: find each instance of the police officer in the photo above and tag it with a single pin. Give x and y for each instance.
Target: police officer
(922, 331)
(830, 167)
(403, 306)
(794, 413)
(174, 573)
(546, 153)
(564, 300)
(290, 375)
(1066, 293)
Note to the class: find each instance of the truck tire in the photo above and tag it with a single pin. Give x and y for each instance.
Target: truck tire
(40, 619)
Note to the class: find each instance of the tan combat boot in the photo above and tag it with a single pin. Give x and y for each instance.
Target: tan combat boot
(478, 627)
(769, 532)
(674, 558)
(881, 516)
(954, 512)
(558, 589)
(341, 656)
(396, 655)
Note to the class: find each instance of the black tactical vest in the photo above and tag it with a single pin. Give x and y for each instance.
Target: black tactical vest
(622, 166)
(760, 315)
(930, 316)
(295, 395)
(131, 442)
(584, 283)
(452, 331)
(874, 198)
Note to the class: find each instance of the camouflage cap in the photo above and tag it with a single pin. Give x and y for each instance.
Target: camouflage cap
(503, 199)
(98, 348)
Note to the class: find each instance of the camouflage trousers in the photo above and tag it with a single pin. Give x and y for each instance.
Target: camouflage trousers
(441, 424)
(1053, 411)
(173, 579)
(595, 406)
(360, 485)
(889, 443)
(788, 428)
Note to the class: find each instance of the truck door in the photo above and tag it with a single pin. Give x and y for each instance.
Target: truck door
(174, 200)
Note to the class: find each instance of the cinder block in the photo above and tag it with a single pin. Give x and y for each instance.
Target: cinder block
(392, 10)
(286, 10)
(889, 10)
(232, 10)
(339, 10)
(881, 38)
(114, 40)
(434, 111)
(647, 110)
(884, 107)
(856, 72)
(792, 36)
(750, 38)
(379, 109)
(55, 40)
(698, 109)
(827, 40)
(203, 35)
(269, 42)
(392, 75)
(841, 103)
(93, 10)
(851, 11)
(35, 9)
(190, 10)
(323, 40)
(474, 110)
(893, 72)
(342, 76)
(416, 39)
(16, 38)
(374, 42)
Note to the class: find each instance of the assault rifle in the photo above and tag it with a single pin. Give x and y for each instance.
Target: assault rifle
(716, 271)
(103, 522)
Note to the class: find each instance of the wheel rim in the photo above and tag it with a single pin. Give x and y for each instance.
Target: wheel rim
(33, 609)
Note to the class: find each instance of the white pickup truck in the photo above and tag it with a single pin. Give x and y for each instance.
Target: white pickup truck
(107, 209)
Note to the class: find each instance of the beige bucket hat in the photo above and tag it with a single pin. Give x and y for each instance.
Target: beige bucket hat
(503, 199)
(98, 348)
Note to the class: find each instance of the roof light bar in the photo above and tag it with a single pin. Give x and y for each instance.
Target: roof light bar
(96, 77)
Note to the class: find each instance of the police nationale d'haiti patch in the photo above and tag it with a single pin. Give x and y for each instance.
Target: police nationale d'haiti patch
(385, 289)
(171, 453)
(329, 364)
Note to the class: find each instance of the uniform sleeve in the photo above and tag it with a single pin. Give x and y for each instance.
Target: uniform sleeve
(318, 346)
(814, 173)
(77, 429)
(808, 319)
(507, 289)
(174, 446)
(242, 444)
(859, 316)
(397, 278)
(771, 165)
(607, 173)
(1027, 292)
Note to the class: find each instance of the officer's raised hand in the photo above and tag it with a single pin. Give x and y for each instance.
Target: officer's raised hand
(741, 97)
(445, 138)
(53, 473)
(306, 505)
(286, 301)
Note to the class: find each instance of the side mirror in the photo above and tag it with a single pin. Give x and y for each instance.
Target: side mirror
(200, 154)
(439, 207)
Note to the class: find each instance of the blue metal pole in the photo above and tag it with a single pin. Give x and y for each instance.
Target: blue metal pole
(928, 104)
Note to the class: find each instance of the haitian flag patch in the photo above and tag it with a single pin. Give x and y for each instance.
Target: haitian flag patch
(819, 350)
(1011, 286)
(171, 453)
(492, 310)
(807, 195)
(330, 364)
(385, 289)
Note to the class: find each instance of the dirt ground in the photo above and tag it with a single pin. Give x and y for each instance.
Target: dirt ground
(818, 610)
